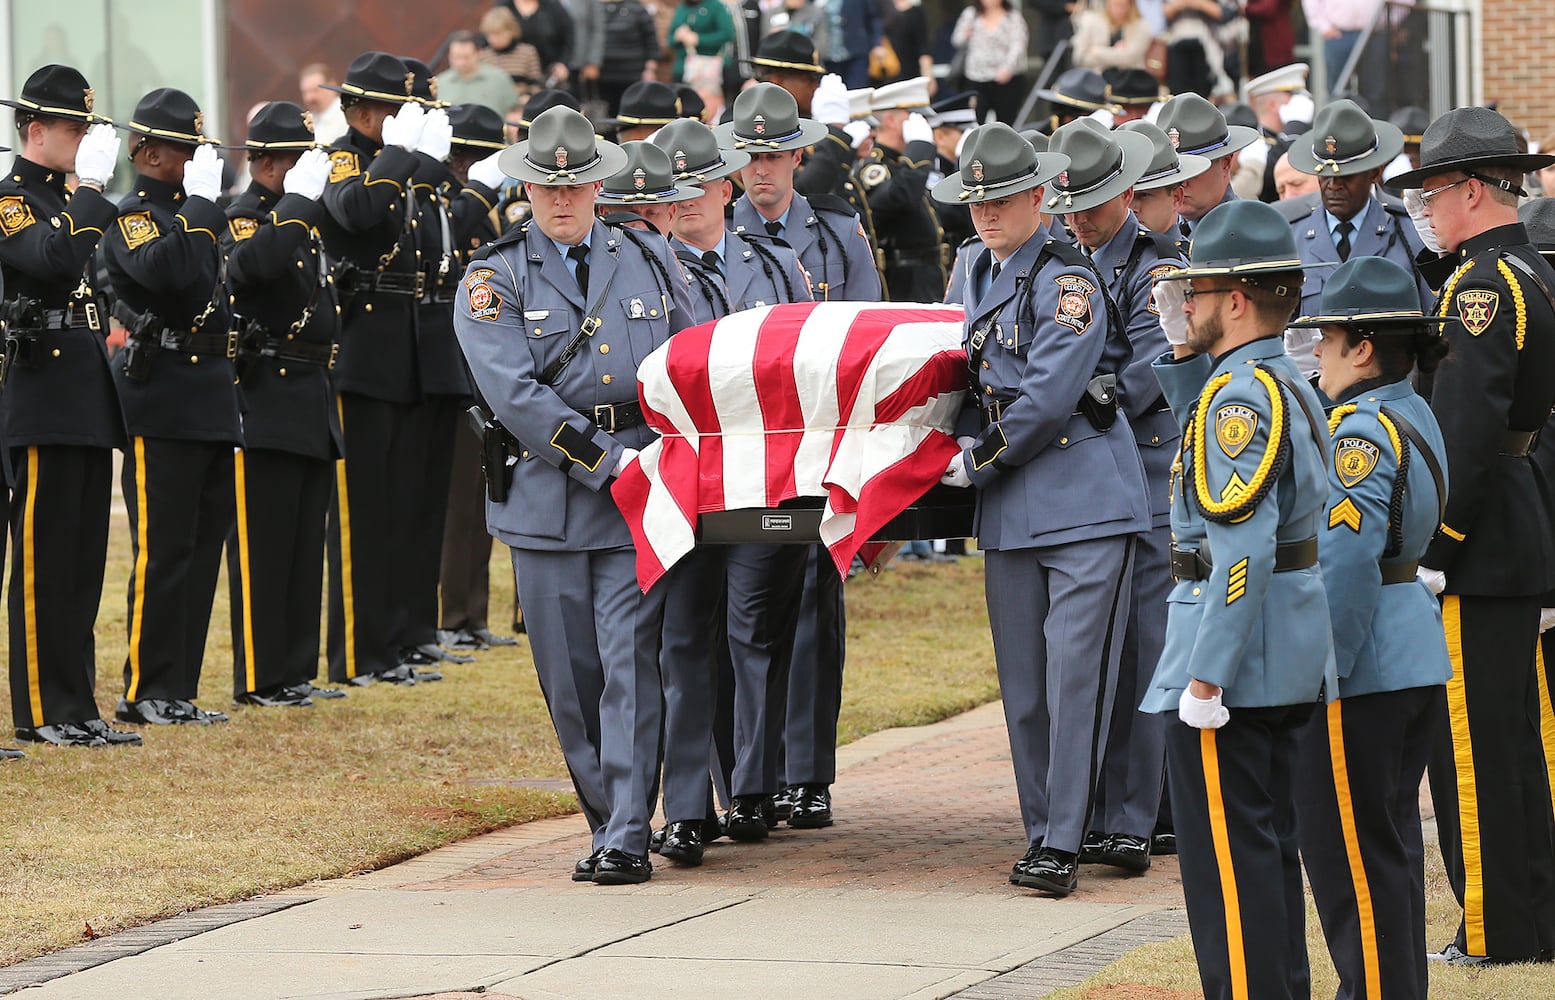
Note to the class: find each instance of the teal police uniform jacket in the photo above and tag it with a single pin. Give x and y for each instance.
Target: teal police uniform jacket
(1046, 475)
(516, 310)
(1251, 476)
(755, 273)
(1383, 509)
(829, 240)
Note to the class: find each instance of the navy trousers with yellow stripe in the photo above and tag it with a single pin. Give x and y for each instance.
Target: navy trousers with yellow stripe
(275, 567)
(179, 497)
(59, 523)
(1358, 793)
(1234, 810)
(1488, 780)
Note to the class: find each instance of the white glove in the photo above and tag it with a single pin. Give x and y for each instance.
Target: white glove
(488, 173)
(1416, 206)
(955, 472)
(1202, 713)
(97, 154)
(1434, 579)
(308, 175)
(1169, 302)
(857, 132)
(916, 129)
(202, 175)
(966, 442)
(436, 135)
(403, 128)
(829, 104)
(628, 456)
(1546, 619)
(1257, 152)
(1298, 109)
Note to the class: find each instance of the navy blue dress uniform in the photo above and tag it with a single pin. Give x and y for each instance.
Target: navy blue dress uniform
(895, 183)
(1248, 614)
(1103, 166)
(1345, 143)
(278, 278)
(956, 113)
(62, 419)
(176, 382)
(1492, 397)
(1364, 756)
(1045, 354)
(568, 397)
(368, 234)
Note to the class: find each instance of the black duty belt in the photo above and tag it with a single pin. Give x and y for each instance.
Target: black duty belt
(1516, 444)
(298, 352)
(994, 411)
(77, 314)
(1400, 572)
(220, 344)
(1195, 564)
(435, 290)
(411, 283)
(612, 417)
(913, 258)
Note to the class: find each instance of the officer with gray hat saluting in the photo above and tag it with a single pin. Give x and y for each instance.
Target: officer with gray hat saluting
(554, 318)
(1045, 356)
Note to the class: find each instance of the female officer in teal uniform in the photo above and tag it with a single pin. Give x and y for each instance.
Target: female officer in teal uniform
(1362, 757)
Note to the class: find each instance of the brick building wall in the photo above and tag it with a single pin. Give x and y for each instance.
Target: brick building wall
(1517, 45)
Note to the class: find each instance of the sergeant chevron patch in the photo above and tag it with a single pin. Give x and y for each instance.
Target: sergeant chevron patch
(1345, 513)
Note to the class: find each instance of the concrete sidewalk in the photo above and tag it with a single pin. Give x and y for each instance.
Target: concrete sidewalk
(905, 897)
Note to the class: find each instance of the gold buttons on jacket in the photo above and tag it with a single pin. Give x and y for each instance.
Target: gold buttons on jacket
(604, 348)
(194, 359)
(368, 307)
(283, 372)
(607, 379)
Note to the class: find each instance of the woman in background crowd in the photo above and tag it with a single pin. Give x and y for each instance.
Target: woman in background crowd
(992, 34)
(1111, 34)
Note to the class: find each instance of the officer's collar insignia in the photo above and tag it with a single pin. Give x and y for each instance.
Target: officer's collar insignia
(759, 125)
(1331, 145)
(410, 83)
(977, 170)
(561, 157)
(680, 161)
(1174, 137)
(639, 179)
(89, 98)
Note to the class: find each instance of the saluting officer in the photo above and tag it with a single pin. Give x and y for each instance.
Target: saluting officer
(1494, 555)
(1077, 93)
(60, 409)
(1194, 125)
(895, 178)
(278, 277)
(950, 118)
(554, 322)
(1362, 759)
(1045, 357)
(368, 231)
(1248, 650)
(176, 383)
(1094, 196)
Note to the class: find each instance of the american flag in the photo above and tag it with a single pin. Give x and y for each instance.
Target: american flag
(852, 401)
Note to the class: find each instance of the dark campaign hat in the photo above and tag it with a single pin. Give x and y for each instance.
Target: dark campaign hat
(1372, 292)
(59, 91)
(542, 101)
(1167, 166)
(1196, 126)
(376, 76)
(1412, 121)
(787, 50)
(1237, 113)
(766, 120)
(646, 102)
(1102, 165)
(955, 111)
(694, 154)
(423, 85)
(1469, 137)
(997, 162)
(1240, 238)
(1133, 86)
(1079, 88)
(1538, 217)
(1344, 141)
(280, 125)
(691, 103)
(476, 126)
(646, 179)
(171, 115)
(562, 150)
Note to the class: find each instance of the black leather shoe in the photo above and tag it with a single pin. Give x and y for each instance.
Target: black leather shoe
(402, 675)
(1163, 844)
(274, 698)
(783, 802)
(656, 839)
(1122, 850)
(309, 690)
(112, 737)
(1091, 847)
(63, 734)
(360, 680)
(620, 868)
(712, 829)
(747, 820)
(1022, 867)
(491, 638)
(1051, 871)
(437, 654)
(812, 807)
(1453, 955)
(683, 843)
(583, 871)
(163, 712)
(417, 658)
(6, 753)
(423, 675)
(460, 639)
(191, 714)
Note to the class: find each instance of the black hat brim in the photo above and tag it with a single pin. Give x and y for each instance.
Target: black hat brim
(1390, 322)
(370, 95)
(1526, 162)
(91, 118)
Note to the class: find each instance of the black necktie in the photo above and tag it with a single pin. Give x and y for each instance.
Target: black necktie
(580, 254)
(774, 227)
(995, 273)
(1343, 246)
(710, 258)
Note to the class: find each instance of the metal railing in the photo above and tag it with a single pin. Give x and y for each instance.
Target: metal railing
(1412, 53)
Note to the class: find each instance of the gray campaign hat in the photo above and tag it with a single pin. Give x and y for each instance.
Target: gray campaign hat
(1343, 141)
(561, 150)
(1196, 126)
(1167, 166)
(1038, 139)
(646, 179)
(694, 152)
(1538, 216)
(997, 162)
(1241, 238)
(1102, 165)
(1373, 292)
(1469, 137)
(766, 120)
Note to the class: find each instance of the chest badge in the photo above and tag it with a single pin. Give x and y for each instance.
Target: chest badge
(1234, 427)
(634, 309)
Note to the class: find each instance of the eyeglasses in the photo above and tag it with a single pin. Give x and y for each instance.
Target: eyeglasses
(1190, 294)
(1426, 196)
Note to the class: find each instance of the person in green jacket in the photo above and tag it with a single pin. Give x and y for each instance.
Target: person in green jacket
(700, 26)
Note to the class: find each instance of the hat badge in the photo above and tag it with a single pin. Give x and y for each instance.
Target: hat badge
(639, 179)
(307, 120)
(199, 123)
(410, 83)
(1063, 178)
(1174, 137)
(432, 87)
(1331, 144)
(680, 160)
(561, 157)
(88, 98)
(977, 170)
(759, 125)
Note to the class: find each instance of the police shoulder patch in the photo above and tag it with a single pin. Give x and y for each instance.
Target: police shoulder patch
(343, 166)
(1156, 274)
(138, 228)
(242, 228)
(1074, 302)
(15, 215)
(1234, 428)
(873, 174)
(1477, 308)
(477, 276)
(485, 304)
(1354, 458)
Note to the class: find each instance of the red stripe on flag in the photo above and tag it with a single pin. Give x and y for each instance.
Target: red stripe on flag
(630, 491)
(891, 491)
(778, 396)
(928, 381)
(688, 365)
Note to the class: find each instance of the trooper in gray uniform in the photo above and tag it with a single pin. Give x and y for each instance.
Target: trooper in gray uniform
(587, 302)
(1045, 356)
(1094, 196)
(1196, 126)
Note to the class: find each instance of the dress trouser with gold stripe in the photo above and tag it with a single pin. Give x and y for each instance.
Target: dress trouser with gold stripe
(275, 567)
(1488, 780)
(1358, 793)
(179, 497)
(59, 523)
(1234, 809)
